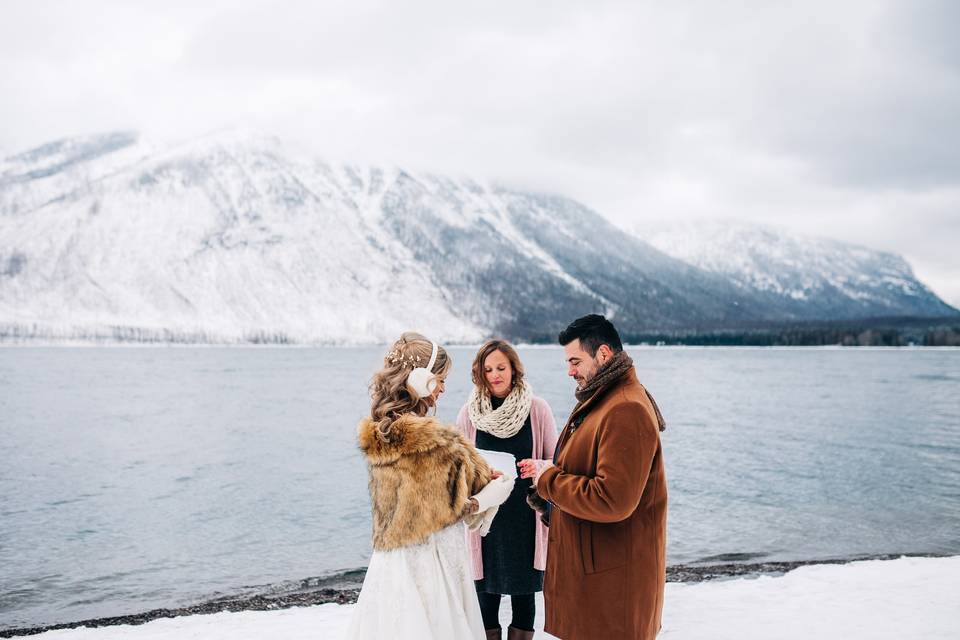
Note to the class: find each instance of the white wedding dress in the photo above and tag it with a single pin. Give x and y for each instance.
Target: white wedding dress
(420, 592)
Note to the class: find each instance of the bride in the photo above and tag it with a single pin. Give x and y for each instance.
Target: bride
(424, 479)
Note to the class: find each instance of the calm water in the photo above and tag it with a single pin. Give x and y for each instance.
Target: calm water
(135, 478)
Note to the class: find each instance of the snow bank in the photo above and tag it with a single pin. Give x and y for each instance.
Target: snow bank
(903, 598)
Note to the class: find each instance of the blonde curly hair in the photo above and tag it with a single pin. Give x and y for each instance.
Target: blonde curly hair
(390, 394)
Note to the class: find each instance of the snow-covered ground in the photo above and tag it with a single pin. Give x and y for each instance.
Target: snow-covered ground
(903, 598)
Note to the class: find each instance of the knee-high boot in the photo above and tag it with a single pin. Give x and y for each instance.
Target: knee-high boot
(518, 634)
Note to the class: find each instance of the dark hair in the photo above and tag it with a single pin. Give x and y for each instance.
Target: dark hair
(592, 331)
(476, 371)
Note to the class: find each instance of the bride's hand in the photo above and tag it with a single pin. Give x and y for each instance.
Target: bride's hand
(474, 505)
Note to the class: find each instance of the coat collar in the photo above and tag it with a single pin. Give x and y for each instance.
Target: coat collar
(409, 434)
(630, 377)
(581, 411)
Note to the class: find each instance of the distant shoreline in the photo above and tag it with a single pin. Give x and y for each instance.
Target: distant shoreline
(907, 331)
(347, 588)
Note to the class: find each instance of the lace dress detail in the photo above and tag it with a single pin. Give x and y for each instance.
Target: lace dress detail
(419, 592)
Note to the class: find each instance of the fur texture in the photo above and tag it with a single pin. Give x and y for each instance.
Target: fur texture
(421, 479)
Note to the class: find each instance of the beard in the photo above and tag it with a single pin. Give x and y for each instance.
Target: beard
(584, 380)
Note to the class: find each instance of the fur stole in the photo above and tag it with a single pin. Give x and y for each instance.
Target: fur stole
(421, 479)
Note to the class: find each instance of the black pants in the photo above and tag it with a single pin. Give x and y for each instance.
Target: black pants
(524, 609)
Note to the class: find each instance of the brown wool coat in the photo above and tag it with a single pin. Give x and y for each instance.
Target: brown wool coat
(606, 560)
(420, 481)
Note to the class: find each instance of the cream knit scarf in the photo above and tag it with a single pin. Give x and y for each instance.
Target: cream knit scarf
(507, 419)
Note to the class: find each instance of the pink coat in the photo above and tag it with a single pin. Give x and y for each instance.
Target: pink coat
(544, 442)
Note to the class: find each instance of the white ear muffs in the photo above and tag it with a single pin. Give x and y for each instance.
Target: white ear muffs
(422, 381)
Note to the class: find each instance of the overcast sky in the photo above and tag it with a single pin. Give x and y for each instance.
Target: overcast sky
(839, 119)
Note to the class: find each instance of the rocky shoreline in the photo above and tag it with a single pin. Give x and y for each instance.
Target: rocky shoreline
(345, 588)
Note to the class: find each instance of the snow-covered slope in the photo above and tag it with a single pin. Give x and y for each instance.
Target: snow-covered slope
(805, 277)
(234, 237)
(223, 239)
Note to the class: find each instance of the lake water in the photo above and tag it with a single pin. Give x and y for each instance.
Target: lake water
(137, 478)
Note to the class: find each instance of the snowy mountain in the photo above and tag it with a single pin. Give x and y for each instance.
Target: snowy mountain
(222, 239)
(234, 237)
(802, 277)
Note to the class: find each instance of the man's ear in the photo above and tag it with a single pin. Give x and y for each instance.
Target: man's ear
(604, 352)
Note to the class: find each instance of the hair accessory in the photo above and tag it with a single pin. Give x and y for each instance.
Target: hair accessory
(397, 357)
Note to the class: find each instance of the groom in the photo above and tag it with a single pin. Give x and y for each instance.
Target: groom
(606, 558)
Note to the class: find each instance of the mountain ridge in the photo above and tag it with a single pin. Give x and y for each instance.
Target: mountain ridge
(233, 238)
(794, 269)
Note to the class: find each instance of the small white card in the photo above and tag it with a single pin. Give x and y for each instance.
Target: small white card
(503, 462)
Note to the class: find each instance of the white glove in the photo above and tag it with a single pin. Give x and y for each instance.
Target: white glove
(494, 494)
(473, 520)
(488, 516)
(481, 521)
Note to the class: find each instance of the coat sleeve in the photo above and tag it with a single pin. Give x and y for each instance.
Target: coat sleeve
(628, 443)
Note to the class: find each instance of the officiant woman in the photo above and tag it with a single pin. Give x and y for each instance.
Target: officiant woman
(502, 414)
